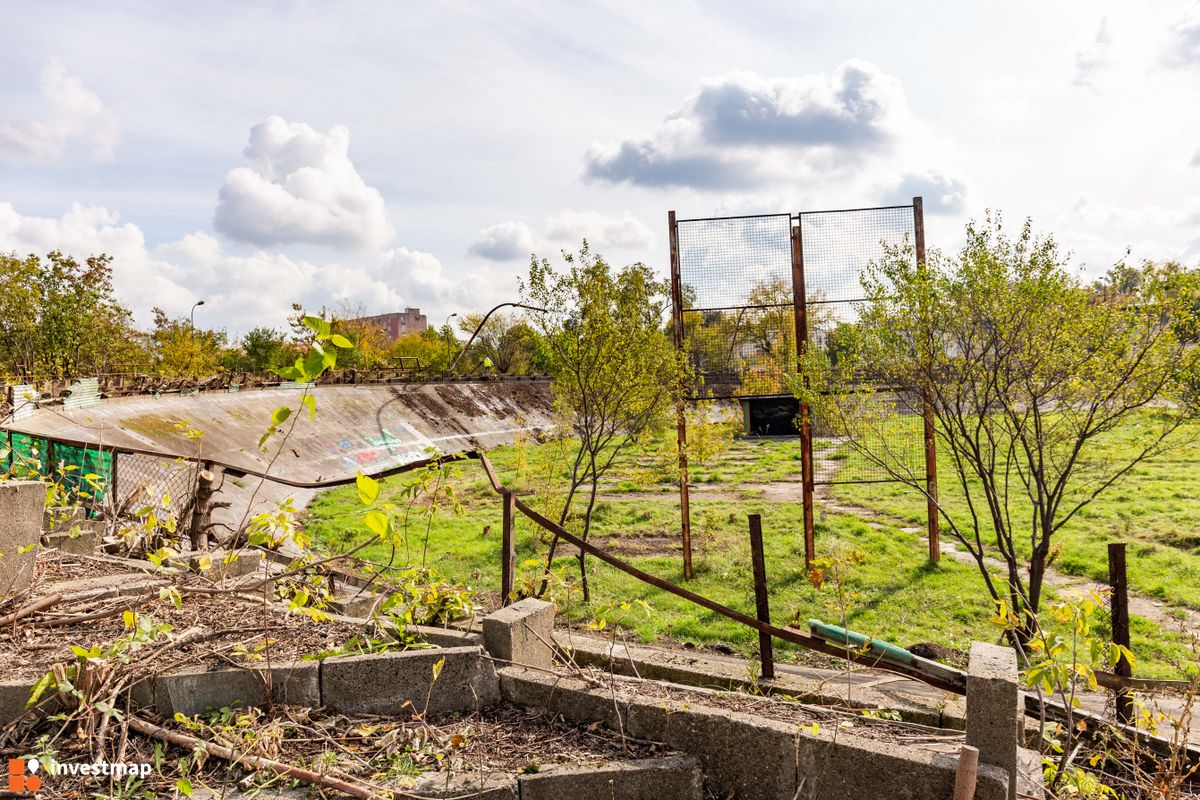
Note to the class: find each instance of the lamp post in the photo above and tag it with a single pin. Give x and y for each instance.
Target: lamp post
(449, 334)
(479, 327)
(192, 315)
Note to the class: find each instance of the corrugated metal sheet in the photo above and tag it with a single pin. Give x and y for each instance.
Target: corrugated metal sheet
(84, 394)
(24, 401)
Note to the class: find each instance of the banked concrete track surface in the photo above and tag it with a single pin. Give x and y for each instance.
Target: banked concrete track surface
(369, 427)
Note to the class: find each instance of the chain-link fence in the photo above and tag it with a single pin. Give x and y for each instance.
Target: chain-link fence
(102, 480)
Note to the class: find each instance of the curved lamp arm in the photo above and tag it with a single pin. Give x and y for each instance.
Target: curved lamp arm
(479, 327)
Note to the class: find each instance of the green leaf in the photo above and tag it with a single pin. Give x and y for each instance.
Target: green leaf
(368, 489)
(341, 341)
(377, 522)
(184, 786)
(317, 325)
(39, 689)
(310, 401)
(280, 415)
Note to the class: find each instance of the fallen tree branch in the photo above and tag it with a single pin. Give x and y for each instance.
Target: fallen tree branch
(191, 743)
(32, 608)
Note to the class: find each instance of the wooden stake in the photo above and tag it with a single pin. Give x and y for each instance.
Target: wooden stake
(965, 775)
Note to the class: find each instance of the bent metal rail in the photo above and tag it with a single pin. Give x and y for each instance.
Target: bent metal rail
(929, 672)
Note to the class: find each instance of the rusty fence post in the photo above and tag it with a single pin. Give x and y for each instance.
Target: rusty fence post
(685, 510)
(800, 309)
(761, 603)
(931, 490)
(508, 555)
(1120, 625)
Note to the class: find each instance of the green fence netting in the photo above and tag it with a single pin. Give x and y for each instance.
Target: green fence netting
(85, 474)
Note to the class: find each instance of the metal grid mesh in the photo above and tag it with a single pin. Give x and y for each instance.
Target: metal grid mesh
(738, 313)
(739, 326)
(838, 248)
(163, 484)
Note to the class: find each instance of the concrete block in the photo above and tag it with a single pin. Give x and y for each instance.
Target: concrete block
(994, 719)
(473, 785)
(13, 696)
(62, 518)
(195, 692)
(220, 563)
(81, 538)
(355, 603)
(21, 506)
(521, 634)
(835, 765)
(402, 683)
(748, 757)
(664, 778)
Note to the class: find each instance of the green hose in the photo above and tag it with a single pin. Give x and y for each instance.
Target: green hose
(836, 635)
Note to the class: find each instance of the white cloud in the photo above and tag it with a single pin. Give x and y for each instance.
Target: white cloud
(1183, 48)
(1098, 233)
(301, 187)
(572, 227)
(75, 119)
(1093, 57)
(941, 193)
(240, 291)
(509, 241)
(1196, 158)
(503, 241)
(718, 137)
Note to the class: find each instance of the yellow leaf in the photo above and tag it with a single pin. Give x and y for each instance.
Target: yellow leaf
(130, 618)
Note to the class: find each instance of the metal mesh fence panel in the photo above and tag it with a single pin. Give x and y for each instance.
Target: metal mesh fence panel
(839, 248)
(738, 313)
(739, 320)
(163, 484)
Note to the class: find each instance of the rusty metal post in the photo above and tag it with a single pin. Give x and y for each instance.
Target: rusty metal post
(685, 511)
(761, 604)
(508, 564)
(1120, 625)
(800, 305)
(931, 488)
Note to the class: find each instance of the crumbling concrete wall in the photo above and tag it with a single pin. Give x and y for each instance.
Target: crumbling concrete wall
(22, 504)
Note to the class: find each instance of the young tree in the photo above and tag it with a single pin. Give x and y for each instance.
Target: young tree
(1027, 372)
(613, 364)
(180, 349)
(507, 340)
(61, 318)
(262, 349)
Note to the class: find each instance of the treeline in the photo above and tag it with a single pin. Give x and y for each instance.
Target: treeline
(61, 318)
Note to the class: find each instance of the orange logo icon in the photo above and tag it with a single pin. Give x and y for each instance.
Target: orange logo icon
(21, 777)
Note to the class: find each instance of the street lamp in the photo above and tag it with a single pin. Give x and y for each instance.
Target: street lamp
(449, 334)
(483, 322)
(192, 316)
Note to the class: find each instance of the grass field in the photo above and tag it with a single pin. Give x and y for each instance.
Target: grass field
(896, 594)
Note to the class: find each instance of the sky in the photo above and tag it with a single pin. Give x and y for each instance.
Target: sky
(382, 155)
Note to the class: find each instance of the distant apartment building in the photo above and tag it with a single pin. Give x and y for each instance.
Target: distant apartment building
(398, 323)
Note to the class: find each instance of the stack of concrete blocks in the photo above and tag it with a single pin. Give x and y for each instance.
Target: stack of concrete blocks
(21, 507)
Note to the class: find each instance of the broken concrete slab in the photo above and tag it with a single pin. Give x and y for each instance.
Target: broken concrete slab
(522, 634)
(405, 683)
(80, 538)
(723, 741)
(194, 692)
(870, 689)
(21, 506)
(835, 765)
(994, 718)
(664, 778)
(478, 787)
